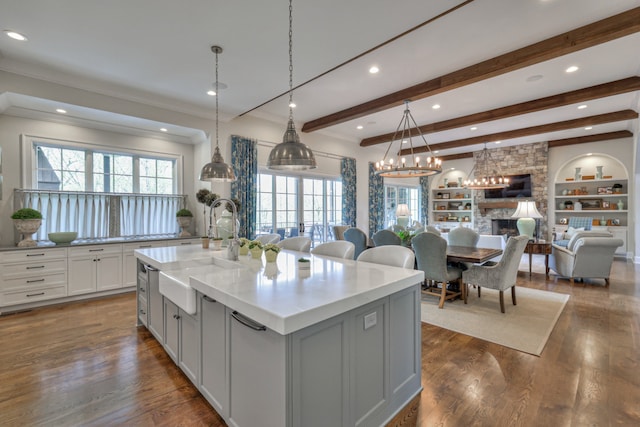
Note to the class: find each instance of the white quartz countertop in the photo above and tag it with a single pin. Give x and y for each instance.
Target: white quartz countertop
(279, 295)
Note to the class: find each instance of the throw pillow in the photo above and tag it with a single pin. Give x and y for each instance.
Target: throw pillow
(571, 231)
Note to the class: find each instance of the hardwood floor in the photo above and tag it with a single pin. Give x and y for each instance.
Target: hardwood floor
(87, 364)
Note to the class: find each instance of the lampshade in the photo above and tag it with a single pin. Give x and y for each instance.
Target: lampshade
(526, 212)
(404, 163)
(291, 154)
(217, 169)
(485, 178)
(402, 210)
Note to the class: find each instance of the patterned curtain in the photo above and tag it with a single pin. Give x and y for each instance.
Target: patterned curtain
(244, 161)
(348, 173)
(376, 201)
(424, 206)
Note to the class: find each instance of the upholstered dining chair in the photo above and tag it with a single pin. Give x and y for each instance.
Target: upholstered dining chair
(335, 248)
(389, 255)
(431, 257)
(502, 275)
(432, 229)
(338, 231)
(358, 238)
(300, 243)
(386, 237)
(268, 238)
(463, 236)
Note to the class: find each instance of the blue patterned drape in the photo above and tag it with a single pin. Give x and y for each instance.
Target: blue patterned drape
(348, 173)
(244, 161)
(424, 205)
(376, 201)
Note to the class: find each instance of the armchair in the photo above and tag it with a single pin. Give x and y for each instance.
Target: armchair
(588, 254)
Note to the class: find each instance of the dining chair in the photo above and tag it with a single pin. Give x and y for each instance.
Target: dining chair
(268, 238)
(358, 238)
(502, 275)
(463, 236)
(300, 243)
(432, 229)
(335, 248)
(389, 255)
(338, 231)
(431, 257)
(386, 237)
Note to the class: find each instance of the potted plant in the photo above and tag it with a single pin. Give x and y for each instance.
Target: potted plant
(406, 237)
(255, 247)
(244, 246)
(27, 221)
(271, 251)
(217, 243)
(184, 217)
(304, 263)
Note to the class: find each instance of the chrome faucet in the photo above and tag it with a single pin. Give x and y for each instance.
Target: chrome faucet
(233, 243)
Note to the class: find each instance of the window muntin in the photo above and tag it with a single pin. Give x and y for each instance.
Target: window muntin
(59, 168)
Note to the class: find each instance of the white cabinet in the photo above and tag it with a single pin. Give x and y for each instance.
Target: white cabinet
(181, 339)
(129, 260)
(94, 268)
(213, 382)
(32, 275)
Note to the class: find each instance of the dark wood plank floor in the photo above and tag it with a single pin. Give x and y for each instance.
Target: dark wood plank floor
(87, 364)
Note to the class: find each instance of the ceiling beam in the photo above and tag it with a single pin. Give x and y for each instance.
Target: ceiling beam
(617, 87)
(607, 136)
(468, 155)
(584, 37)
(533, 130)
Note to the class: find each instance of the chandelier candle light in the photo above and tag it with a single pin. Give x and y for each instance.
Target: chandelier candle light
(484, 178)
(526, 212)
(396, 165)
(291, 154)
(217, 170)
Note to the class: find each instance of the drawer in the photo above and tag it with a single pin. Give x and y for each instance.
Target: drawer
(33, 255)
(142, 288)
(128, 248)
(84, 251)
(142, 310)
(44, 268)
(26, 296)
(28, 283)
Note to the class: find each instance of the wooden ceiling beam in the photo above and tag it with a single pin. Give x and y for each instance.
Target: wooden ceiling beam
(617, 87)
(607, 136)
(602, 31)
(468, 155)
(529, 131)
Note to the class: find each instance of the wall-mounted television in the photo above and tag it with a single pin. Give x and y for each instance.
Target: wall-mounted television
(519, 186)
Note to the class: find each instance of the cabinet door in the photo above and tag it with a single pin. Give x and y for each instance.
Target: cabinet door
(108, 271)
(155, 316)
(213, 379)
(82, 275)
(189, 350)
(257, 371)
(171, 319)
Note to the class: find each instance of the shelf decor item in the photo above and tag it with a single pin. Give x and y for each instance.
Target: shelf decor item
(27, 221)
(304, 263)
(599, 172)
(620, 205)
(217, 243)
(577, 175)
(271, 251)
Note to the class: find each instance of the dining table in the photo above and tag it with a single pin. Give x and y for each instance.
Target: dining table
(471, 254)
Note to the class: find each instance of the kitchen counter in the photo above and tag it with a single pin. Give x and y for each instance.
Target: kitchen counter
(43, 244)
(280, 295)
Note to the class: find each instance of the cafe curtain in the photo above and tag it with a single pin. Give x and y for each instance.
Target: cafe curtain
(376, 201)
(424, 204)
(244, 161)
(348, 174)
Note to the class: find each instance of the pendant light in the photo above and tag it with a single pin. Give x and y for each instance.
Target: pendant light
(217, 170)
(484, 178)
(397, 165)
(291, 154)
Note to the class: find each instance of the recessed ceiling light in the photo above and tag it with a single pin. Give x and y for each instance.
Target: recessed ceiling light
(589, 154)
(61, 111)
(436, 152)
(534, 78)
(211, 92)
(163, 129)
(374, 70)
(359, 127)
(292, 104)
(582, 107)
(452, 169)
(498, 142)
(588, 128)
(436, 106)
(16, 36)
(404, 141)
(571, 69)
(473, 128)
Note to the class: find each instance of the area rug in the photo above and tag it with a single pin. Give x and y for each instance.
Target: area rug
(524, 327)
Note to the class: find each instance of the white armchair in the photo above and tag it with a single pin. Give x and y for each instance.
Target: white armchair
(588, 254)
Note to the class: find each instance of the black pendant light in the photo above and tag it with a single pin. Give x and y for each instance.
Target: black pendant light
(217, 170)
(291, 154)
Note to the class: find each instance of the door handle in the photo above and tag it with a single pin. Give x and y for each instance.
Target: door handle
(248, 322)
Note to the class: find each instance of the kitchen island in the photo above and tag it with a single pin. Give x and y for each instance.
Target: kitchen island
(271, 344)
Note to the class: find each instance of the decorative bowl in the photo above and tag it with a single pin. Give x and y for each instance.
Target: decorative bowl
(63, 237)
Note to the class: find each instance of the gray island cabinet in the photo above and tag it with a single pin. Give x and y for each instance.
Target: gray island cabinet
(269, 344)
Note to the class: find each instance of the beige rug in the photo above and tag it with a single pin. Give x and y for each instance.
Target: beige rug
(524, 327)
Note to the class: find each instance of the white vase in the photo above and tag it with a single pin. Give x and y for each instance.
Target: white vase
(599, 172)
(577, 175)
(184, 222)
(27, 227)
(225, 226)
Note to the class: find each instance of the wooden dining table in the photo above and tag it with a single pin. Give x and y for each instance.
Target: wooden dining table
(471, 254)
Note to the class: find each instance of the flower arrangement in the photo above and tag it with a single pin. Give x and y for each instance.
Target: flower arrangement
(255, 244)
(304, 264)
(406, 237)
(244, 246)
(272, 247)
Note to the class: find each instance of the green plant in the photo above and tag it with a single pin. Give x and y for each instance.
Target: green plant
(272, 247)
(303, 260)
(255, 244)
(184, 212)
(406, 237)
(244, 241)
(216, 238)
(26, 213)
(235, 202)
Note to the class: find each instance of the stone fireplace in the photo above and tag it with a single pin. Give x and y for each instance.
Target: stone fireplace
(508, 227)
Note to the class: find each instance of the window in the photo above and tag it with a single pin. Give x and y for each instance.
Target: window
(284, 202)
(395, 195)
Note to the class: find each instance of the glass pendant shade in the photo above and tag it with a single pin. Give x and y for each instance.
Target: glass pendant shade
(291, 154)
(217, 169)
(484, 178)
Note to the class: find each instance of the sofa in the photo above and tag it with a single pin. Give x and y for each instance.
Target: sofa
(588, 254)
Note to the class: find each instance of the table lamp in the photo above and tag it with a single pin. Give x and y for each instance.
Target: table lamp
(526, 212)
(402, 215)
